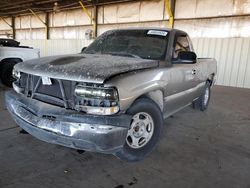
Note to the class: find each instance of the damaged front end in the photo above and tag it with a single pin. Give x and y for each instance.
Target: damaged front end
(76, 115)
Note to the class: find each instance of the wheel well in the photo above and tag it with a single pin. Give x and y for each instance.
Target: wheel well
(17, 60)
(210, 79)
(9, 60)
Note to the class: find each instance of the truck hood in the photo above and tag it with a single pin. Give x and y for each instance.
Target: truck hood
(84, 67)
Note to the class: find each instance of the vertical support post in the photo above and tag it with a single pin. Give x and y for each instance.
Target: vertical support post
(172, 7)
(46, 33)
(13, 27)
(95, 20)
(47, 25)
(170, 11)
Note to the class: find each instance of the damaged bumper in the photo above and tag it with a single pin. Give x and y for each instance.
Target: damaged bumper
(69, 128)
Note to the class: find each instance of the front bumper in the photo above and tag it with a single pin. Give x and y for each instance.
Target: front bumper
(106, 134)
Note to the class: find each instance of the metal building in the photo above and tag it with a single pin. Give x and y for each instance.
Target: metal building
(196, 149)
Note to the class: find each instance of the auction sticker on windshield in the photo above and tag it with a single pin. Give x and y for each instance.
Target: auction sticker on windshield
(157, 32)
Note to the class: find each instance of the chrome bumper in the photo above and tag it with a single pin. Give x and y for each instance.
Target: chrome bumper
(69, 128)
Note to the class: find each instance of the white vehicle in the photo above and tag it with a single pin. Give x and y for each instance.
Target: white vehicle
(12, 53)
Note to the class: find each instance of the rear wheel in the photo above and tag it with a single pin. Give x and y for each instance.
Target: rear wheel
(204, 99)
(144, 132)
(6, 73)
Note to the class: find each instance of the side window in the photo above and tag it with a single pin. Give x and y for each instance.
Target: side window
(182, 44)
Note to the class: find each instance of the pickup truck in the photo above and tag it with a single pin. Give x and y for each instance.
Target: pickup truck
(113, 97)
(12, 53)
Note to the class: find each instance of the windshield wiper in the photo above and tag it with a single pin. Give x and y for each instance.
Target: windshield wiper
(125, 54)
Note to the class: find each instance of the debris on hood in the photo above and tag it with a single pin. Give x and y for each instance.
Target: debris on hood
(94, 68)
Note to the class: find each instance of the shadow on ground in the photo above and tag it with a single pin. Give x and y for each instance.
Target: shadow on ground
(197, 149)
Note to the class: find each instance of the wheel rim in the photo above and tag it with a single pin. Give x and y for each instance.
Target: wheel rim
(206, 96)
(141, 130)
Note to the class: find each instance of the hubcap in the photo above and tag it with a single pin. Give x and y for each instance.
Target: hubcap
(206, 96)
(141, 130)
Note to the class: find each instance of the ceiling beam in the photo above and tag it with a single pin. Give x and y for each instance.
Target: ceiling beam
(22, 7)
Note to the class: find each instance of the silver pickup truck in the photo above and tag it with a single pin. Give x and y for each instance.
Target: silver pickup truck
(113, 97)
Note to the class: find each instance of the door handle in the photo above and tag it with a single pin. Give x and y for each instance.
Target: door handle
(193, 72)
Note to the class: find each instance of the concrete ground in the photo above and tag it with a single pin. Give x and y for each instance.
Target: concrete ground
(203, 150)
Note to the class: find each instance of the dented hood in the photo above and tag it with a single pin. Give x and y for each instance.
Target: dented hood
(84, 67)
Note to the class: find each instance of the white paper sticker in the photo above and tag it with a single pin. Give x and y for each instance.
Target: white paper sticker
(46, 81)
(157, 32)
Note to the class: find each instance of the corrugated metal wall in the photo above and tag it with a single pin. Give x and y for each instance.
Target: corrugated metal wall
(232, 55)
(56, 47)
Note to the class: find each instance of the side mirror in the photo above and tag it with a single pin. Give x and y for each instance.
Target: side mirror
(83, 49)
(187, 57)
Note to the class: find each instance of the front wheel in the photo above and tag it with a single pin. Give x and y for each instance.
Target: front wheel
(144, 132)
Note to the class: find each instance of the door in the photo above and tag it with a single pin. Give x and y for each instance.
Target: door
(182, 87)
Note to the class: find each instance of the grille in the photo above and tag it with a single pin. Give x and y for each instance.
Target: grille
(59, 93)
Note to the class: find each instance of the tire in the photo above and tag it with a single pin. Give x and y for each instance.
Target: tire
(6, 73)
(204, 99)
(147, 111)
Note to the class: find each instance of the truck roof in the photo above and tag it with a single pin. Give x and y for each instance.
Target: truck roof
(152, 28)
(11, 43)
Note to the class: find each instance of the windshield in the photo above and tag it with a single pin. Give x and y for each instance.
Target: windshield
(146, 44)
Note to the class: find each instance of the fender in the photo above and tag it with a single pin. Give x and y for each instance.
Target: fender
(131, 86)
(157, 97)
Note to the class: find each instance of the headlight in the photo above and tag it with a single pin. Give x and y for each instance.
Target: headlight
(100, 93)
(16, 74)
(97, 100)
